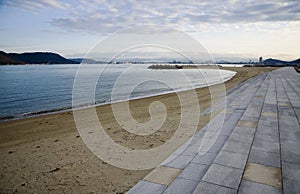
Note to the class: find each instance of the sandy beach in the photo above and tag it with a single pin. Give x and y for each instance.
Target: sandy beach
(46, 154)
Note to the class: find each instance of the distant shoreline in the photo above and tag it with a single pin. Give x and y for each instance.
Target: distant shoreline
(183, 66)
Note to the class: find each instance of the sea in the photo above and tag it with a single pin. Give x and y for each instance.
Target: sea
(30, 90)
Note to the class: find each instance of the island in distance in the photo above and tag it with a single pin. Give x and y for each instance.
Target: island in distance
(54, 58)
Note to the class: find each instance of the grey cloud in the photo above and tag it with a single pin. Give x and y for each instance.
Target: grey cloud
(35, 4)
(110, 15)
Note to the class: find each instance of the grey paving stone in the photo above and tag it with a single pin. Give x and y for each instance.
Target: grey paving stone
(250, 118)
(223, 176)
(226, 131)
(289, 156)
(147, 188)
(293, 96)
(246, 101)
(288, 121)
(292, 135)
(265, 158)
(219, 143)
(179, 162)
(208, 188)
(233, 106)
(231, 159)
(194, 171)
(297, 111)
(281, 95)
(214, 127)
(236, 147)
(232, 120)
(269, 137)
(208, 140)
(244, 130)
(191, 150)
(249, 187)
(269, 108)
(253, 110)
(270, 98)
(266, 146)
(268, 116)
(195, 141)
(268, 122)
(283, 127)
(291, 171)
(268, 133)
(241, 138)
(291, 186)
(256, 104)
(290, 150)
(285, 112)
(180, 185)
(227, 114)
(206, 158)
(295, 102)
(290, 145)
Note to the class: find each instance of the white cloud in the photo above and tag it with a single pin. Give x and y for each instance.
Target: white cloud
(36, 4)
(108, 16)
(104, 16)
(54, 3)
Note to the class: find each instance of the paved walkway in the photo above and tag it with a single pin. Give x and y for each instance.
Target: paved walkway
(257, 150)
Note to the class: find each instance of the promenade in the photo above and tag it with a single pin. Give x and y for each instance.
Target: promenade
(257, 147)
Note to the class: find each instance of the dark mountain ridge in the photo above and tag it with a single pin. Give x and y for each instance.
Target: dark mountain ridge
(33, 58)
(279, 63)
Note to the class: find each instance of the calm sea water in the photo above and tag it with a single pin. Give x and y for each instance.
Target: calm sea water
(35, 89)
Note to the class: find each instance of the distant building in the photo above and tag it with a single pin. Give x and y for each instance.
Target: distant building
(260, 60)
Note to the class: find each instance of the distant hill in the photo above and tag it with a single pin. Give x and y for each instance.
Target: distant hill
(33, 58)
(279, 63)
(6, 59)
(88, 61)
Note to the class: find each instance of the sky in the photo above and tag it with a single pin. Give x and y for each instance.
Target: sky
(226, 28)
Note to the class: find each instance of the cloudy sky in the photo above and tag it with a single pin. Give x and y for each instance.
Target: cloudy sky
(244, 28)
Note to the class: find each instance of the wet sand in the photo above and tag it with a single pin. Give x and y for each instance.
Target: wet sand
(46, 154)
